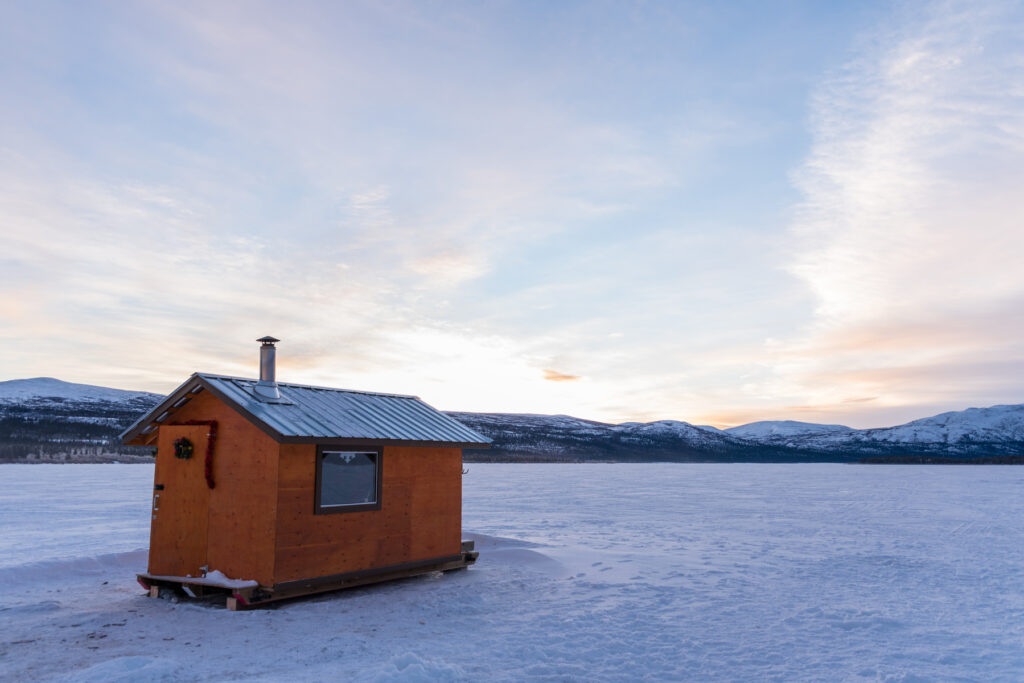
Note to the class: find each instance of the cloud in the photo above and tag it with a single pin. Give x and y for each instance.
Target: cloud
(909, 233)
(913, 172)
(447, 202)
(365, 183)
(555, 376)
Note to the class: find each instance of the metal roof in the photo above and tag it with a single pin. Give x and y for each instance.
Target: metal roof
(308, 414)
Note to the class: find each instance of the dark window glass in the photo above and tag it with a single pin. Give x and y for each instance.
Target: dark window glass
(348, 478)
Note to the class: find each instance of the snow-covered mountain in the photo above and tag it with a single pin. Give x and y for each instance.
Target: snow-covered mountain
(974, 425)
(50, 389)
(45, 417)
(975, 432)
(994, 432)
(527, 437)
(784, 429)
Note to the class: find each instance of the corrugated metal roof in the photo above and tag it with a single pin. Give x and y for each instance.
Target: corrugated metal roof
(309, 413)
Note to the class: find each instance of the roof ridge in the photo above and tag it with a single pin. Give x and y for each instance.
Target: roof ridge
(311, 386)
(311, 414)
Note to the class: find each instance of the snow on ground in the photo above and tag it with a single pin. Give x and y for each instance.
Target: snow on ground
(586, 572)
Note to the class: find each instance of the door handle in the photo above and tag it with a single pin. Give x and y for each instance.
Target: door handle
(156, 502)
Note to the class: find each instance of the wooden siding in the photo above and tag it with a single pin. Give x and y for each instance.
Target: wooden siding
(420, 516)
(243, 506)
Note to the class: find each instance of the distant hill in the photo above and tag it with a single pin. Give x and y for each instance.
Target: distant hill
(50, 389)
(50, 420)
(765, 432)
(528, 437)
(47, 419)
(992, 433)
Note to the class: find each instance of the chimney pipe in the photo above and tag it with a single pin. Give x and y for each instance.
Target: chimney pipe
(267, 386)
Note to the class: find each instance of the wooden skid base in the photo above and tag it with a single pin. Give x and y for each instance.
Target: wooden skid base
(177, 587)
(249, 598)
(246, 598)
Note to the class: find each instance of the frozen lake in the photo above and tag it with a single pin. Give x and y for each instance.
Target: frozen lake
(606, 572)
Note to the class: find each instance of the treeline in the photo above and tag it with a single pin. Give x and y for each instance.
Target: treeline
(52, 430)
(73, 452)
(469, 456)
(933, 460)
(55, 428)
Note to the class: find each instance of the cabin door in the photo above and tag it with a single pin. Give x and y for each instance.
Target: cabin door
(181, 504)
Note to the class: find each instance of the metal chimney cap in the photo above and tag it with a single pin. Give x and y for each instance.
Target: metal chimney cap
(268, 340)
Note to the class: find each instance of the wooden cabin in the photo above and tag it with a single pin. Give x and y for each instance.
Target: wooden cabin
(268, 490)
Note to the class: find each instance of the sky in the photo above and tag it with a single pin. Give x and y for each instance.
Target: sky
(710, 212)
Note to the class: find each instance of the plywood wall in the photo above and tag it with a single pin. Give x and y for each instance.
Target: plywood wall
(259, 519)
(420, 516)
(243, 505)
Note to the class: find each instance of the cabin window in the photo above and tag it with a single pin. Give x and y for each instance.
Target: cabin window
(347, 479)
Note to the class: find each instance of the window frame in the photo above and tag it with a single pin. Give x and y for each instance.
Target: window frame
(318, 507)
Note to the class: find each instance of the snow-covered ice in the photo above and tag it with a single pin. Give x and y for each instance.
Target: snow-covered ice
(586, 572)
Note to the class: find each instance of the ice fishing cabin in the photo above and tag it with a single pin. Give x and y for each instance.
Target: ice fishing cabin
(266, 490)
